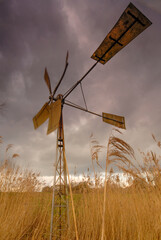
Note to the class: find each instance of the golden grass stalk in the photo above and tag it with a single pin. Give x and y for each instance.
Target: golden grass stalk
(117, 149)
(95, 149)
(131, 213)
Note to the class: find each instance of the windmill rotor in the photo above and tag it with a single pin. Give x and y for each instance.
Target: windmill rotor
(131, 23)
(51, 110)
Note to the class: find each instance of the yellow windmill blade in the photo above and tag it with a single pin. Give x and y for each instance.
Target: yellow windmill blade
(115, 120)
(47, 80)
(54, 116)
(42, 115)
(131, 23)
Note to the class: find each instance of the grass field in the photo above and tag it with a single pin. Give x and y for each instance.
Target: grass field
(132, 213)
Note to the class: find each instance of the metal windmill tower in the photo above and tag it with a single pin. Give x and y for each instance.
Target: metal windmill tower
(131, 23)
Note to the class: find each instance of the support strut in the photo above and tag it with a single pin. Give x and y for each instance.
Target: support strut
(60, 205)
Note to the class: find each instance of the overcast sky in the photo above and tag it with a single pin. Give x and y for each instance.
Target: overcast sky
(37, 34)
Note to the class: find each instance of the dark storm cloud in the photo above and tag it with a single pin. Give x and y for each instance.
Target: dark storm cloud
(35, 34)
(21, 31)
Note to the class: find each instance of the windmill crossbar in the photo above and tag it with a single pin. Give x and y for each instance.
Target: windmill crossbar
(85, 110)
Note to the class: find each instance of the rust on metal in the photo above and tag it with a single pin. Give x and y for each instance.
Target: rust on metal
(131, 23)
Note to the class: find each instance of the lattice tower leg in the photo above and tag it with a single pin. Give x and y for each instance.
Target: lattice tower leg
(60, 206)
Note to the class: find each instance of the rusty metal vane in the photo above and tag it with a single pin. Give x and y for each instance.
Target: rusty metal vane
(131, 23)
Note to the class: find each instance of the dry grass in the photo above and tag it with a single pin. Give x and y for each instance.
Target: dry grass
(132, 213)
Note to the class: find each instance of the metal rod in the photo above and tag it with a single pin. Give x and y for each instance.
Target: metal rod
(74, 104)
(83, 95)
(76, 84)
(85, 110)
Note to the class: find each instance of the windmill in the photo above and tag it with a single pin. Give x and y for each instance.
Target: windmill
(131, 23)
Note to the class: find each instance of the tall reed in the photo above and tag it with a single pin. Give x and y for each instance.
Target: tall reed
(131, 213)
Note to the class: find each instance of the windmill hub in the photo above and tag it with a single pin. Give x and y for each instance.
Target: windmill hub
(50, 97)
(60, 96)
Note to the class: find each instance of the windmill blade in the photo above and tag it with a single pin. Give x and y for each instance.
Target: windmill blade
(66, 65)
(47, 80)
(54, 116)
(131, 23)
(41, 116)
(115, 120)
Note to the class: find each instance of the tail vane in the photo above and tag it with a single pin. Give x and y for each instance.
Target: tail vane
(115, 120)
